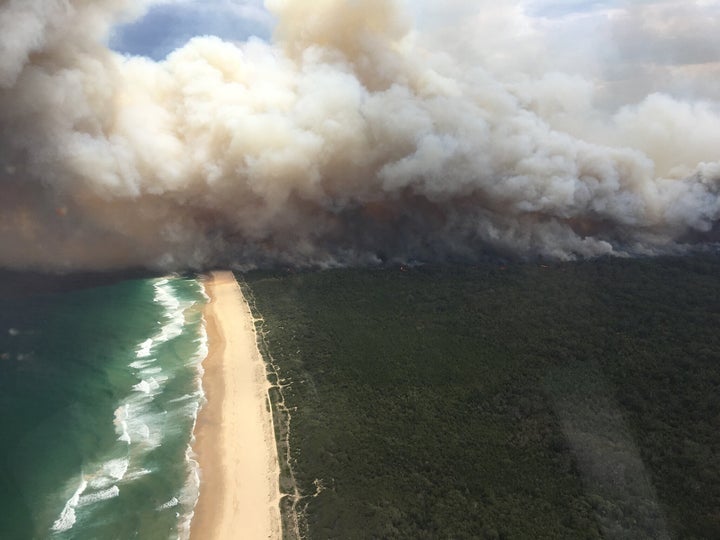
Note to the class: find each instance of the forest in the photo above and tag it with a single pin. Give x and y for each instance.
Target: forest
(501, 400)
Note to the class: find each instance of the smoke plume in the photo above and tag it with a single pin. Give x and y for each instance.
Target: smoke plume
(346, 140)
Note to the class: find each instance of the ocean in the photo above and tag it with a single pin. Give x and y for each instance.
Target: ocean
(99, 392)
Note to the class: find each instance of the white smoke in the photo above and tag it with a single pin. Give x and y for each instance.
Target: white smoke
(348, 138)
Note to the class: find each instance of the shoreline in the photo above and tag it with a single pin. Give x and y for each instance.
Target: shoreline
(234, 434)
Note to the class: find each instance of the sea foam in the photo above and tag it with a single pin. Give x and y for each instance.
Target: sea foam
(172, 503)
(68, 517)
(144, 348)
(147, 386)
(98, 496)
(121, 427)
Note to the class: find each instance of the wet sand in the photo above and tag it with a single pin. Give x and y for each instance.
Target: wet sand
(234, 435)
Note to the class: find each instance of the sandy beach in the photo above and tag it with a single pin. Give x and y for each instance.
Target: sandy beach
(234, 436)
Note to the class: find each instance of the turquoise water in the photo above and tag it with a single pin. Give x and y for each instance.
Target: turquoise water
(99, 391)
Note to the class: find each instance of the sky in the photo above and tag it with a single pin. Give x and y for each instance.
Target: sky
(168, 25)
(627, 48)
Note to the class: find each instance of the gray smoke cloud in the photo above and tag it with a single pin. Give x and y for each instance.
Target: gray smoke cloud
(349, 138)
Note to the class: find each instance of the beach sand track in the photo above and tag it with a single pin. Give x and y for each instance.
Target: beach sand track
(234, 435)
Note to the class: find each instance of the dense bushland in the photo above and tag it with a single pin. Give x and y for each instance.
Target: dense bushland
(573, 400)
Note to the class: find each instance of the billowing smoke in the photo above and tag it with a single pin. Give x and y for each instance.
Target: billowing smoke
(347, 139)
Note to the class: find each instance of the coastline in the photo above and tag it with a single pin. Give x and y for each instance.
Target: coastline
(234, 435)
